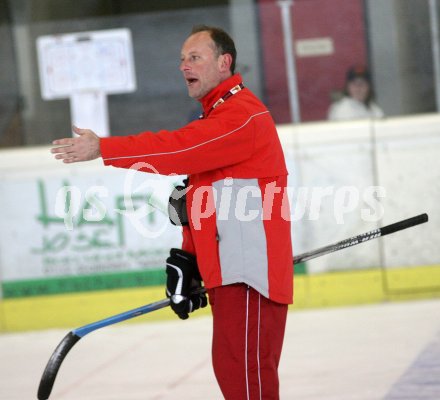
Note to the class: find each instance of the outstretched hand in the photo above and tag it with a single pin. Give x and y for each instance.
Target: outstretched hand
(85, 147)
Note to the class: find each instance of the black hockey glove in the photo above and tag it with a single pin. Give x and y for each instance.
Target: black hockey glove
(183, 278)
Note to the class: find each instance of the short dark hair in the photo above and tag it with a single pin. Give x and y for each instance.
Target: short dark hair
(223, 42)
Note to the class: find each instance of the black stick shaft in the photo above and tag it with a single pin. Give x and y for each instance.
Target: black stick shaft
(364, 237)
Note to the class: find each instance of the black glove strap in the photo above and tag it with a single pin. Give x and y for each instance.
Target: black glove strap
(177, 211)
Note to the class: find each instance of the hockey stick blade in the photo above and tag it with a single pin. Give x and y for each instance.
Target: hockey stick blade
(52, 367)
(54, 363)
(364, 237)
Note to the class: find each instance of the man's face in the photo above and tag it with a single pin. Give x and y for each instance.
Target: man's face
(202, 68)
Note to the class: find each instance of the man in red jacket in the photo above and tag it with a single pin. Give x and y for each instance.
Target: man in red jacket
(237, 237)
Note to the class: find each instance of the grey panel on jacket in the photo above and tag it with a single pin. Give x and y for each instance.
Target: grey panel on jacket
(241, 234)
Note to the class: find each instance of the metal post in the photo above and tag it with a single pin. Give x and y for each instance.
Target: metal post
(290, 59)
(435, 48)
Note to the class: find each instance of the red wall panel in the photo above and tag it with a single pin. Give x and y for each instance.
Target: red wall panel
(317, 76)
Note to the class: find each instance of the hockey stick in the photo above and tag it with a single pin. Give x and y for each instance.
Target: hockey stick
(364, 237)
(54, 363)
(60, 353)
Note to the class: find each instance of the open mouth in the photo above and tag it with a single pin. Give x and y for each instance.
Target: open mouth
(191, 81)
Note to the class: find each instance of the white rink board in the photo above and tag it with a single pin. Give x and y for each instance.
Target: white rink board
(36, 241)
(400, 155)
(405, 161)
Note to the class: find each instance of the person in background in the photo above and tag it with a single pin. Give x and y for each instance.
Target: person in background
(358, 100)
(238, 242)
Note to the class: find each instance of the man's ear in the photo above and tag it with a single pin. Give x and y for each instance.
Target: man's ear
(225, 62)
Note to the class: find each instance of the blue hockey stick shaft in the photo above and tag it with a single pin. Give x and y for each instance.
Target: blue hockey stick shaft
(136, 312)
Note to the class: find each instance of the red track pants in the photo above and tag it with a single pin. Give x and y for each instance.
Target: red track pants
(247, 341)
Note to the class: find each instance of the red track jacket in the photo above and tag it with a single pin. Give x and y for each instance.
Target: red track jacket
(237, 203)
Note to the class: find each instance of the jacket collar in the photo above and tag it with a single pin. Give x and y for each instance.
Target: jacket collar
(219, 91)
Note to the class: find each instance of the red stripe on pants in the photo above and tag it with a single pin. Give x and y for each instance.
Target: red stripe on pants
(247, 340)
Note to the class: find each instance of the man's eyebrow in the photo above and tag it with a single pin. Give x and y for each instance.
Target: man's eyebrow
(190, 53)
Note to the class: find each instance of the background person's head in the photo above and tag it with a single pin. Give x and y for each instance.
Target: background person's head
(358, 84)
(208, 57)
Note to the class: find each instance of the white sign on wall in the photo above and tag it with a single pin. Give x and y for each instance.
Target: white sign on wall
(315, 47)
(86, 67)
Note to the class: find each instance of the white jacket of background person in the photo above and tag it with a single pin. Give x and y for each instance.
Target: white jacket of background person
(348, 108)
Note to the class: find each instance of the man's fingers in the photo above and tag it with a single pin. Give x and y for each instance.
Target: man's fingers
(64, 156)
(63, 142)
(69, 160)
(62, 149)
(83, 148)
